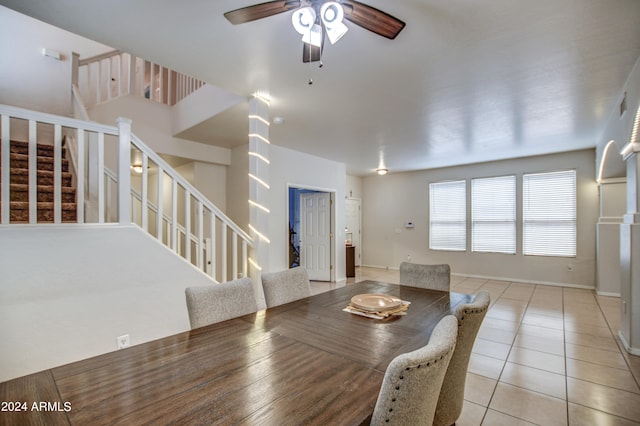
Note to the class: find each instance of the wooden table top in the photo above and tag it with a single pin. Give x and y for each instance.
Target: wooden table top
(306, 362)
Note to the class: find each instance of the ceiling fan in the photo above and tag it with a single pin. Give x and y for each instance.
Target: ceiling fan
(315, 19)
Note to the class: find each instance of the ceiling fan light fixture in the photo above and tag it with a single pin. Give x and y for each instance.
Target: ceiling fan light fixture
(303, 19)
(332, 15)
(382, 171)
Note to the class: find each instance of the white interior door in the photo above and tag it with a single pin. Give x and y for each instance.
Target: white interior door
(352, 224)
(315, 235)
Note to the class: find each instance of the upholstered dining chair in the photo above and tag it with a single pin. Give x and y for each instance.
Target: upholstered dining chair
(434, 277)
(412, 381)
(285, 286)
(451, 398)
(219, 302)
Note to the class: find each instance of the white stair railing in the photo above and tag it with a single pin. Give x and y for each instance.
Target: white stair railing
(113, 74)
(152, 194)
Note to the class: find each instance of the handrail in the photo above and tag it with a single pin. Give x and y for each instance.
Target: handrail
(187, 185)
(105, 55)
(95, 143)
(79, 104)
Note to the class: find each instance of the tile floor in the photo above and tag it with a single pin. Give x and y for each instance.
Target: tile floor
(544, 355)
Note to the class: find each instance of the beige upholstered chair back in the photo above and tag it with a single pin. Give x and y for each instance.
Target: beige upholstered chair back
(470, 318)
(219, 302)
(412, 381)
(285, 286)
(433, 277)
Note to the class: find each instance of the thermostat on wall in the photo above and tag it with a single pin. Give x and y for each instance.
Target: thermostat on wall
(408, 225)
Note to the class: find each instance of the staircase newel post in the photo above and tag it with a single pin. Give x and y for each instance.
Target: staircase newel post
(124, 174)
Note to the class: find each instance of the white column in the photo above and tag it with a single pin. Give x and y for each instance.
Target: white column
(259, 190)
(630, 253)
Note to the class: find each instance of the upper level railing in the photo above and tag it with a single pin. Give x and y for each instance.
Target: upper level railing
(113, 74)
(111, 188)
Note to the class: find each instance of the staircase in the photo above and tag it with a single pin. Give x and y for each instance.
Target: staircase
(19, 185)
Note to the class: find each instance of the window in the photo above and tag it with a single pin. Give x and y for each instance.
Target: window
(493, 214)
(549, 214)
(448, 216)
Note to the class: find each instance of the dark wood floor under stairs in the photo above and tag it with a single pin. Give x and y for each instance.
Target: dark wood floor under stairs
(19, 187)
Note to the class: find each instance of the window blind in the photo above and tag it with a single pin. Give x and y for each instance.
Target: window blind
(448, 216)
(549, 214)
(493, 214)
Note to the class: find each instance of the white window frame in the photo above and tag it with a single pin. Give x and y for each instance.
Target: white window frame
(549, 214)
(448, 215)
(493, 214)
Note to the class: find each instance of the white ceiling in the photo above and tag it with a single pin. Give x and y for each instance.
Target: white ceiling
(465, 81)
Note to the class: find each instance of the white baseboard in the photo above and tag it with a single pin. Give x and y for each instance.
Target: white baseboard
(607, 293)
(627, 347)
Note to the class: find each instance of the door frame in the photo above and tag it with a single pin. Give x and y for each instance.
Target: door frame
(358, 249)
(332, 222)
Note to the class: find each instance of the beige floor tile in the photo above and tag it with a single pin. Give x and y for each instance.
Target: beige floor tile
(597, 342)
(517, 293)
(479, 389)
(514, 315)
(528, 405)
(634, 364)
(584, 328)
(500, 324)
(596, 356)
(466, 289)
(537, 359)
(547, 333)
(591, 319)
(544, 311)
(496, 335)
(472, 414)
(485, 366)
(581, 416)
(495, 418)
(603, 398)
(514, 304)
(543, 321)
(541, 344)
(607, 376)
(492, 349)
(533, 379)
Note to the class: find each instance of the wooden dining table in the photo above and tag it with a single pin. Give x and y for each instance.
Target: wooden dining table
(307, 362)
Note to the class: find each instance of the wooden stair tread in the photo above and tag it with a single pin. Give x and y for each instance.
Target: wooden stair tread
(21, 161)
(25, 172)
(19, 185)
(41, 188)
(45, 193)
(42, 205)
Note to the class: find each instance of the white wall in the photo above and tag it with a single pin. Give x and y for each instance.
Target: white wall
(151, 122)
(27, 78)
(354, 187)
(391, 200)
(66, 293)
(295, 168)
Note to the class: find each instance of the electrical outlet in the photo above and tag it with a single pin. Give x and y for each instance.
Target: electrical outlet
(570, 267)
(123, 341)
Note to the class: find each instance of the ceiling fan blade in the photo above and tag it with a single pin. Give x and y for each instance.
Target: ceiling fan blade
(311, 53)
(259, 11)
(372, 19)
